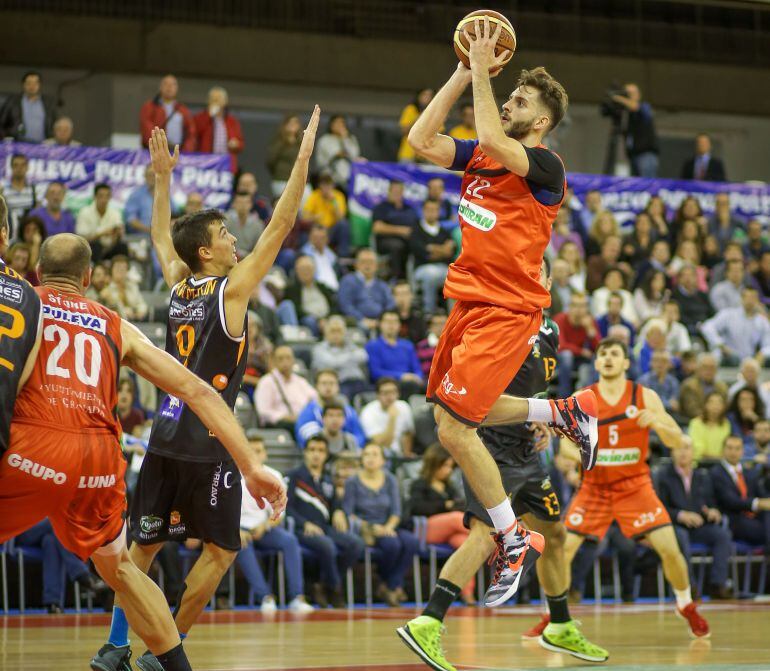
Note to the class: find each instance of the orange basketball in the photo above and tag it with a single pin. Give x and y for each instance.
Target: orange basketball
(506, 41)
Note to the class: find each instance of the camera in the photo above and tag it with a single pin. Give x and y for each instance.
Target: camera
(608, 107)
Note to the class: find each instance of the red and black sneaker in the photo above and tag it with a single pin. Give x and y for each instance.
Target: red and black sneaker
(538, 629)
(513, 557)
(699, 628)
(577, 418)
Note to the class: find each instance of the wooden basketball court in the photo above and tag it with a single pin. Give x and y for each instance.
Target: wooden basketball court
(646, 637)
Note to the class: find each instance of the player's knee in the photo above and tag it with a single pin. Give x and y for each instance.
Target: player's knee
(219, 556)
(454, 435)
(555, 535)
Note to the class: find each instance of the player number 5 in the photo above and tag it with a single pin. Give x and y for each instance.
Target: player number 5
(613, 430)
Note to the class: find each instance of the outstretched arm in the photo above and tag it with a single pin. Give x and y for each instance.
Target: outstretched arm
(163, 163)
(164, 371)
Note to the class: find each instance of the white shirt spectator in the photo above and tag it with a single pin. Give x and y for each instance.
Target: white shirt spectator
(91, 224)
(374, 420)
(744, 334)
(324, 265)
(601, 297)
(677, 338)
(252, 516)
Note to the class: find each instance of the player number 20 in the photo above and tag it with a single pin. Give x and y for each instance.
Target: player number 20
(613, 431)
(13, 331)
(87, 374)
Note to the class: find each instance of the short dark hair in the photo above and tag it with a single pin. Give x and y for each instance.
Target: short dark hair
(65, 255)
(383, 381)
(615, 294)
(432, 201)
(396, 182)
(31, 73)
(332, 405)
(360, 250)
(17, 155)
(552, 93)
(612, 342)
(120, 258)
(732, 436)
(325, 178)
(390, 312)
(127, 381)
(327, 371)
(318, 438)
(101, 186)
(191, 232)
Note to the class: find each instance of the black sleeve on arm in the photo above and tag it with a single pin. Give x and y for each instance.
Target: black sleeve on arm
(545, 176)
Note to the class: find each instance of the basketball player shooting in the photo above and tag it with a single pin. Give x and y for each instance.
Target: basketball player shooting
(512, 189)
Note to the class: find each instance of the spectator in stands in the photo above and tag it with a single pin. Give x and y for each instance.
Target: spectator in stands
(362, 295)
(660, 257)
(739, 333)
(132, 419)
(761, 278)
(656, 210)
(677, 336)
(18, 258)
(603, 226)
(32, 231)
(654, 340)
(744, 411)
(335, 152)
(711, 254)
(748, 378)
(122, 293)
(20, 196)
(692, 396)
(338, 440)
(426, 347)
(102, 225)
(310, 420)
(614, 315)
(727, 293)
(409, 115)
(100, 278)
(388, 421)
(613, 284)
(271, 325)
(165, 111)
(688, 494)
(322, 526)
(601, 263)
(247, 182)
(138, 210)
(694, 305)
(561, 289)
(194, 203)
(762, 445)
(313, 301)
(755, 245)
(741, 497)
(660, 380)
(578, 338)
(412, 326)
(326, 267)
(326, 206)
(372, 501)
(733, 252)
(394, 357)
(433, 249)
(392, 224)
(704, 166)
(244, 224)
(217, 130)
(63, 134)
(343, 357)
(53, 214)
(639, 130)
(723, 225)
(570, 253)
(590, 209)
(259, 356)
(447, 211)
(562, 231)
(28, 116)
(689, 209)
(688, 253)
(651, 295)
(259, 532)
(281, 394)
(637, 245)
(709, 430)
(466, 129)
(57, 563)
(282, 153)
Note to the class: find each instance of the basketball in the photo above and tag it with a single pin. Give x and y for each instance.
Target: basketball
(506, 41)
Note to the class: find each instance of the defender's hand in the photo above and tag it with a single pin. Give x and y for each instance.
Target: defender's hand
(308, 137)
(163, 162)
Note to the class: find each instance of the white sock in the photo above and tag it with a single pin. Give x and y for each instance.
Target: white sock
(540, 410)
(502, 515)
(683, 597)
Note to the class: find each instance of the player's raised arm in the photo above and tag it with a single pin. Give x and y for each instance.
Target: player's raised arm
(163, 163)
(655, 417)
(248, 273)
(424, 136)
(165, 372)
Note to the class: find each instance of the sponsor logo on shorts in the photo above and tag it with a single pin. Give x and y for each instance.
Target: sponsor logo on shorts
(150, 525)
(11, 291)
(175, 518)
(175, 524)
(195, 312)
(632, 411)
(215, 485)
(477, 216)
(78, 318)
(96, 481)
(449, 387)
(646, 519)
(36, 470)
(532, 340)
(619, 456)
(575, 519)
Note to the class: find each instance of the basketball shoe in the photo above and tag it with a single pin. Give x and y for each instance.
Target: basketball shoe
(566, 637)
(112, 658)
(517, 550)
(148, 662)
(423, 637)
(699, 628)
(577, 418)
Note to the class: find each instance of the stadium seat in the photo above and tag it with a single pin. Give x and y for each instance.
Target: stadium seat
(699, 556)
(362, 398)
(245, 412)
(424, 428)
(417, 402)
(431, 552)
(746, 554)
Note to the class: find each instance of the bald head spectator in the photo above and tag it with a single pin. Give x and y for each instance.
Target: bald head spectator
(165, 111)
(704, 166)
(694, 305)
(695, 388)
(28, 116)
(218, 131)
(53, 214)
(362, 295)
(63, 133)
(739, 333)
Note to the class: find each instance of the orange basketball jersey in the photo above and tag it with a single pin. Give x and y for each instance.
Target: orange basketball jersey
(74, 382)
(505, 231)
(623, 444)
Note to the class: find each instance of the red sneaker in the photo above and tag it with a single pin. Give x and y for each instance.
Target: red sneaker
(699, 628)
(538, 629)
(577, 418)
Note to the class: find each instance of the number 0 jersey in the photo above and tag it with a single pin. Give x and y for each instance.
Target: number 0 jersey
(197, 337)
(73, 385)
(19, 324)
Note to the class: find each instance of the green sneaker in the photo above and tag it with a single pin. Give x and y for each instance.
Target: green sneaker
(568, 638)
(423, 636)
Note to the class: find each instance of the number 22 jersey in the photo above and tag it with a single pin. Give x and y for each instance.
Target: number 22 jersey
(197, 337)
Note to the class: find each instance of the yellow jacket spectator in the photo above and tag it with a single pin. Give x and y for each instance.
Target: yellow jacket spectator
(709, 431)
(466, 129)
(325, 205)
(409, 115)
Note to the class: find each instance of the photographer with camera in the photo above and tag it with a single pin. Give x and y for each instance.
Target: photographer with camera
(633, 118)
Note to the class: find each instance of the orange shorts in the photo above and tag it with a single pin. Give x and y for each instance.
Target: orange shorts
(633, 504)
(479, 353)
(73, 479)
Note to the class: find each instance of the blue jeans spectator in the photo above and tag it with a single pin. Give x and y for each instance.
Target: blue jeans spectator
(397, 554)
(339, 238)
(336, 553)
(645, 164)
(279, 540)
(54, 558)
(719, 541)
(430, 278)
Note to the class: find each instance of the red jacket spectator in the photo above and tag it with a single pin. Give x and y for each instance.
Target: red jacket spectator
(578, 331)
(153, 114)
(204, 126)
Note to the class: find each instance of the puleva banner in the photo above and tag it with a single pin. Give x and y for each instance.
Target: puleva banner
(79, 168)
(624, 196)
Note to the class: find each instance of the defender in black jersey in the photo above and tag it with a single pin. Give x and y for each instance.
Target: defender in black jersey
(188, 486)
(20, 330)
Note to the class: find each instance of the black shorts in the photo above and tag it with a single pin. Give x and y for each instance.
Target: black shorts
(175, 500)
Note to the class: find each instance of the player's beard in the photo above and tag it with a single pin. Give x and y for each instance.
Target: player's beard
(518, 129)
(611, 376)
